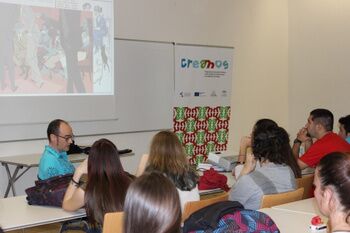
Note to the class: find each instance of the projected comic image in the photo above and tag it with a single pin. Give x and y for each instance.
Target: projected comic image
(51, 51)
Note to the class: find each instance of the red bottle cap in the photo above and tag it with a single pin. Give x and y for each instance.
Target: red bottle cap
(316, 220)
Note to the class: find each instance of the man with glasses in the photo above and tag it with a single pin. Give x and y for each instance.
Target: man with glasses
(54, 160)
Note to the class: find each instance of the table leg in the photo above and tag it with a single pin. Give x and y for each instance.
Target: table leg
(13, 178)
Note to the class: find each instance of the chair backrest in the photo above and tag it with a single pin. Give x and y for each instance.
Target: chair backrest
(193, 206)
(307, 183)
(281, 198)
(113, 222)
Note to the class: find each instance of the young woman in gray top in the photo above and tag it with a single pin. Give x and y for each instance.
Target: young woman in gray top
(277, 172)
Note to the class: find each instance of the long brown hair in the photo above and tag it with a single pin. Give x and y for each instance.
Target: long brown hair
(107, 182)
(167, 156)
(152, 205)
(167, 153)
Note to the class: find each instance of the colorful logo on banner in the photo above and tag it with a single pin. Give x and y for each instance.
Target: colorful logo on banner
(204, 64)
(202, 130)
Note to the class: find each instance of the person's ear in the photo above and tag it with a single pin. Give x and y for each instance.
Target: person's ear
(53, 138)
(320, 127)
(328, 197)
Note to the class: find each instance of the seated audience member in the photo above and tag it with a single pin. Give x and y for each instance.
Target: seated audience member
(99, 184)
(152, 205)
(246, 141)
(54, 160)
(332, 188)
(245, 146)
(344, 128)
(168, 156)
(319, 126)
(277, 172)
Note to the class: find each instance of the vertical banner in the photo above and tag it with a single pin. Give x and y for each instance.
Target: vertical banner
(203, 77)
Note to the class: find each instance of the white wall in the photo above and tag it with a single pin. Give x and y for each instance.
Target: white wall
(260, 82)
(290, 57)
(196, 21)
(319, 74)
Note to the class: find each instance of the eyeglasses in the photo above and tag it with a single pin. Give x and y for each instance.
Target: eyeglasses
(67, 137)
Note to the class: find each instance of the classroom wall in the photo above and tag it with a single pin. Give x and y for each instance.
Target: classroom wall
(289, 57)
(260, 82)
(197, 21)
(319, 48)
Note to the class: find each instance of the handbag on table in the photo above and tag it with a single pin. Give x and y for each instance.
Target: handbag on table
(49, 192)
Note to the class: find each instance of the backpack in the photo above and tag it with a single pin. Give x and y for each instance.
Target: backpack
(233, 220)
(208, 217)
(49, 192)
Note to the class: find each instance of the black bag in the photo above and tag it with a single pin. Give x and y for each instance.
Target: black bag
(75, 149)
(49, 192)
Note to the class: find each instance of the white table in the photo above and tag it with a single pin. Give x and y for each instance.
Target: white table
(290, 222)
(16, 214)
(306, 206)
(28, 161)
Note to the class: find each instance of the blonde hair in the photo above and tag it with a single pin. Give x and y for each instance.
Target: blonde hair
(167, 154)
(168, 157)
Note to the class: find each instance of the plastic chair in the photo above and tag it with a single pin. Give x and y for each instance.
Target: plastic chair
(281, 198)
(193, 206)
(307, 183)
(113, 222)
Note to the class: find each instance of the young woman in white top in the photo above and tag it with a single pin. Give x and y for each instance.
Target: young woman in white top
(167, 156)
(332, 190)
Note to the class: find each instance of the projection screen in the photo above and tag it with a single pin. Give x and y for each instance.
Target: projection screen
(56, 61)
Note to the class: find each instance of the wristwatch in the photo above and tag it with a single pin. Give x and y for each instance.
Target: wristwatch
(297, 141)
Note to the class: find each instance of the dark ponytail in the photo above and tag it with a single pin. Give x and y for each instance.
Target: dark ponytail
(334, 170)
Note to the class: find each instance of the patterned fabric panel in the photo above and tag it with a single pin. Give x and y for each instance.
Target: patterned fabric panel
(202, 130)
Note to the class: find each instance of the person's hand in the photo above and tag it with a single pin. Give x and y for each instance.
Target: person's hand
(82, 168)
(246, 141)
(302, 135)
(249, 165)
